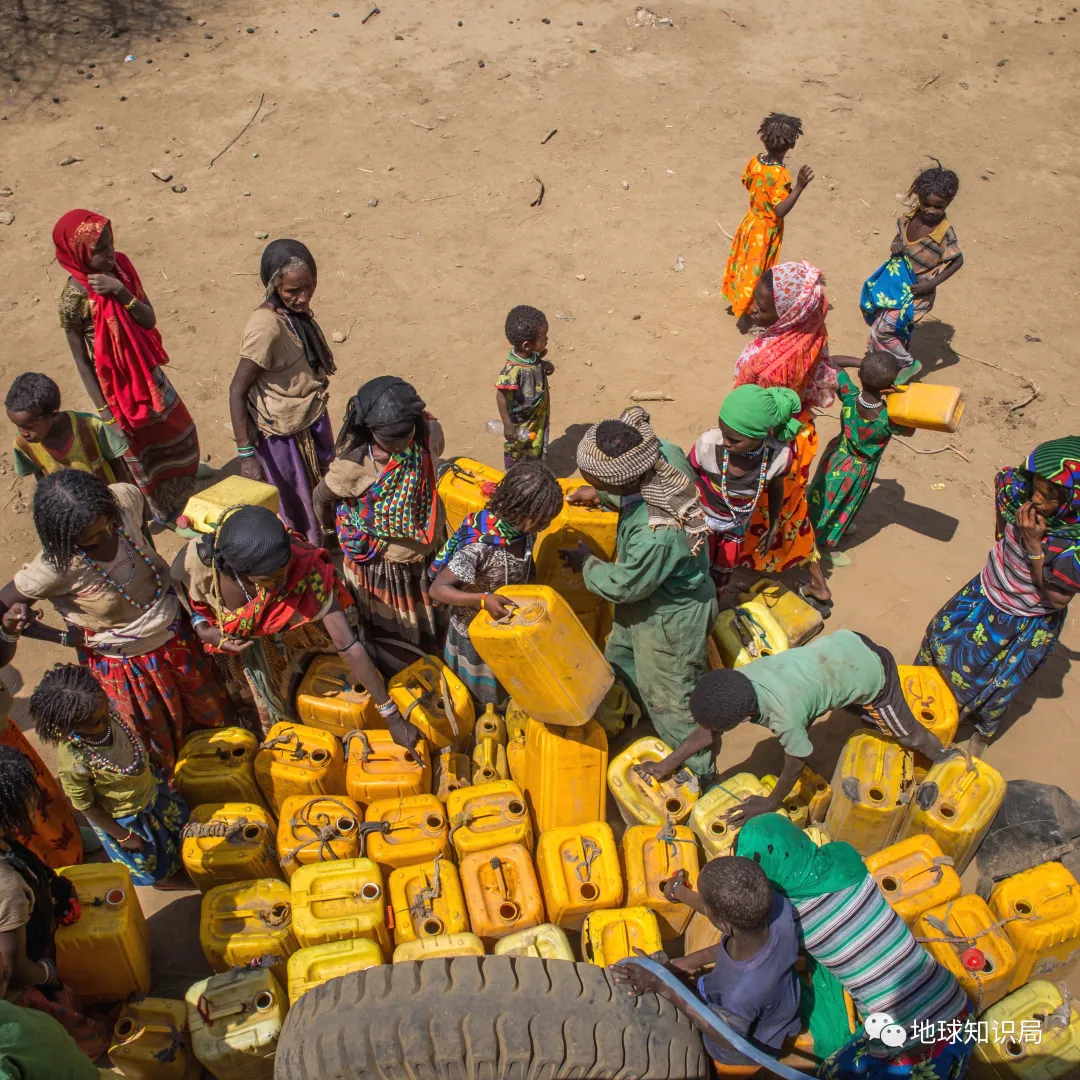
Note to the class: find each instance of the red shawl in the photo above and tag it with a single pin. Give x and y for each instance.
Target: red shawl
(125, 353)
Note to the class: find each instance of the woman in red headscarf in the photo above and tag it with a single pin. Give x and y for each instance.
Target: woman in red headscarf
(111, 329)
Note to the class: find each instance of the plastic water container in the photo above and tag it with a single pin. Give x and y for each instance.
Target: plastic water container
(489, 762)
(501, 892)
(436, 948)
(328, 699)
(204, 509)
(955, 805)
(1042, 906)
(796, 810)
(427, 900)
(105, 956)
(565, 771)
(217, 765)
(150, 1041)
(452, 770)
(746, 633)
(930, 699)
(417, 831)
(318, 964)
(914, 875)
(613, 934)
(431, 696)
(339, 901)
(461, 488)
(317, 828)
(817, 835)
(651, 857)
(299, 760)
(486, 816)
(707, 821)
(799, 620)
(377, 768)
(515, 756)
(490, 725)
(543, 657)
(229, 842)
(926, 406)
(871, 787)
(645, 802)
(235, 1020)
(1037, 1036)
(547, 942)
(579, 872)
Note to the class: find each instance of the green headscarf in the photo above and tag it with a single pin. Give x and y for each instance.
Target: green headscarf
(798, 868)
(756, 412)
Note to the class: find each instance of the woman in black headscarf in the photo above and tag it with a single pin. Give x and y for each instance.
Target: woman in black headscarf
(381, 495)
(277, 399)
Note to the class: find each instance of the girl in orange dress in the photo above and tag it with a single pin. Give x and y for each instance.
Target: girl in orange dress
(756, 246)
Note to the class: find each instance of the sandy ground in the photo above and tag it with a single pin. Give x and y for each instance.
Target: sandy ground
(439, 111)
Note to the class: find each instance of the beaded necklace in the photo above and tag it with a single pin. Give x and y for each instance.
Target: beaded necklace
(97, 760)
(134, 550)
(747, 508)
(867, 405)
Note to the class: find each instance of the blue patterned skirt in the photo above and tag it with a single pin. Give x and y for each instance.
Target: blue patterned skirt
(159, 825)
(985, 653)
(947, 1061)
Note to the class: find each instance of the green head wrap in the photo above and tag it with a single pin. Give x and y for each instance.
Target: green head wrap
(756, 412)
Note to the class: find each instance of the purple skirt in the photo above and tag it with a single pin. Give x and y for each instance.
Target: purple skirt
(295, 464)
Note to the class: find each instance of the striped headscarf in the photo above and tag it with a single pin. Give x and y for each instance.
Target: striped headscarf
(670, 495)
(1057, 461)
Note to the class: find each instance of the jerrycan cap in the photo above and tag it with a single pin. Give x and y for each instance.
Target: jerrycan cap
(973, 959)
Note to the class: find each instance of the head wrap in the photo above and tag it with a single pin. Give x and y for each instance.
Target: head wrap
(248, 540)
(669, 493)
(794, 351)
(1057, 461)
(274, 257)
(125, 353)
(755, 412)
(384, 402)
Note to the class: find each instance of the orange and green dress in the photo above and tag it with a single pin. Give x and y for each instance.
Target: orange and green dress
(756, 246)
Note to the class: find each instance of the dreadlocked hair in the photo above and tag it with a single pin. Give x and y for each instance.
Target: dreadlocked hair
(527, 494)
(935, 181)
(66, 696)
(19, 792)
(66, 503)
(779, 131)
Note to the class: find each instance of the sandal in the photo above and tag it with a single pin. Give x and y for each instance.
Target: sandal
(822, 607)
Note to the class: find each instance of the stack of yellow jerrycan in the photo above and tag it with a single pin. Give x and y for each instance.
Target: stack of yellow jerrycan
(427, 900)
(204, 509)
(225, 842)
(311, 967)
(377, 768)
(651, 857)
(150, 1041)
(435, 700)
(327, 699)
(798, 620)
(914, 875)
(746, 633)
(245, 921)
(299, 760)
(579, 872)
(317, 828)
(489, 760)
(464, 487)
(218, 766)
(643, 801)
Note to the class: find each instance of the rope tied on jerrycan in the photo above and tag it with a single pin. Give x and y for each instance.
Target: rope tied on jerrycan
(232, 832)
(421, 907)
(323, 832)
(290, 736)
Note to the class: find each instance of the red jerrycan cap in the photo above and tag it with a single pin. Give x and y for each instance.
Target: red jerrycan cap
(973, 959)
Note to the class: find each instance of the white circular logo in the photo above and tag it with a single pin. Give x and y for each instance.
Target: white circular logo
(893, 1035)
(875, 1022)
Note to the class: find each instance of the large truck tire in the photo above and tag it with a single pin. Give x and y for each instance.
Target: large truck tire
(486, 1018)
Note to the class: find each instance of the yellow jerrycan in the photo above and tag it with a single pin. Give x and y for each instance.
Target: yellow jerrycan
(105, 956)
(490, 725)
(614, 933)
(299, 760)
(548, 942)
(1033, 1034)
(486, 816)
(150, 1041)
(926, 406)
(515, 756)
(799, 621)
(976, 950)
(579, 872)
(708, 820)
(318, 964)
(516, 720)
(225, 842)
(746, 633)
(642, 801)
(435, 948)
(914, 876)
(461, 488)
(1042, 909)
(618, 709)
(955, 804)
(793, 808)
(245, 921)
(414, 831)
(327, 699)
(427, 901)
(651, 857)
(930, 699)
(218, 766)
(565, 770)
(204, 509)
(235, 1019)
(871, 788)
(818, 835)
(489, 762)
(543, 657)
(501, 892)
(451, 770)
(431, 696)
(317, 828)
(377, 768)
(339, 901)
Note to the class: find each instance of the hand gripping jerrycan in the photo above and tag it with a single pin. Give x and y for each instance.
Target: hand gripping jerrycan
(204, 509)
(299, 760)
(543, 657)
(217, 765)
(462, 485)
(327, 699)
(317, 828)
(415, 831)
(318, 964)
(746, 633)
(579, 872)
(225, 842)
(914, 875)
(564, 773)
(377, 768)
(643, 801)
(436, 948)
(150, 1041)
(427, 900)
(501, 892)
(548, 942)
(709, 821)
(930, 699)
(487, 816)
(651, 857)
(612, 934)
(926, 406)
(431, 696)
(799, 621)
(339, 901)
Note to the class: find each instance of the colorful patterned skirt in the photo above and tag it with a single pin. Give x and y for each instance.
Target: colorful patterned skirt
(838, 490)
(463, 659)
(985, 653)
(533, 433)
(392, 601)
(165, 693)
(947, 1060)
(754, 250)
(159, 824)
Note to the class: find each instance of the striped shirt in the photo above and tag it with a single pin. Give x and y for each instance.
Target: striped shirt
(1008, 579)
(939, 247)
(867, 947)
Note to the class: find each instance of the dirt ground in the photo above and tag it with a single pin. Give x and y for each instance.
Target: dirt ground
(439, 111)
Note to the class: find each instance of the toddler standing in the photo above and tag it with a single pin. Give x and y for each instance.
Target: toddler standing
(522, 386)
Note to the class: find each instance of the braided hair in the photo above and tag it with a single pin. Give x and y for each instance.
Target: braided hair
(935, 181)
(66, 504)
(779, 131)
(527, 494)
(19, 792)
(67, 695)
